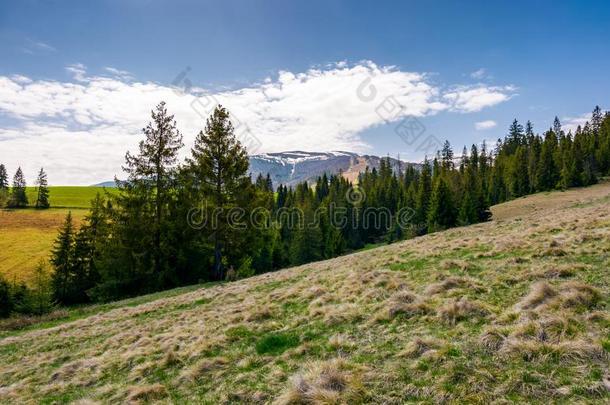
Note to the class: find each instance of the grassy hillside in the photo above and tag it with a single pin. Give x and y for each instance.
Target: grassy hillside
(27, 235)
(69, 196)
(515, 310)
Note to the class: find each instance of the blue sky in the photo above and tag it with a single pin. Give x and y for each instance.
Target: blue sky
(502, 60)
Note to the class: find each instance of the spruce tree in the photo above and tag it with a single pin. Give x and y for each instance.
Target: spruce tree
(3, 186)
(220, 163)
(42, 199)
(442, 212)
(151, 173)
(546, 171)
(18, 198)
(3, 178)
(41, 292)
(422, 198)
(62, 259)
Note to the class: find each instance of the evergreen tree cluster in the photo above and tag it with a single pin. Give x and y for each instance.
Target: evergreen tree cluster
(175, 223)
(16, 196)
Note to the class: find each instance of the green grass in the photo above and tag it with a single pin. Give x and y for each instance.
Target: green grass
(27, 234)
(69, 196)
(276, 343)
(250, 341)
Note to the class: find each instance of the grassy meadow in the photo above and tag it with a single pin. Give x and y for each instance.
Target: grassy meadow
(512, 310)
(27, 235)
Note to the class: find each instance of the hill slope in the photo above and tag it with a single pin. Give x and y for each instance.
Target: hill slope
(515, 309)
(27, 235)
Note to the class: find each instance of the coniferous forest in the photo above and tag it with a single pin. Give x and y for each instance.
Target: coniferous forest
(204, 219)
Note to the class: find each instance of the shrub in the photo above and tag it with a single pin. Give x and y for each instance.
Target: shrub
(245, 270)
(6, 299)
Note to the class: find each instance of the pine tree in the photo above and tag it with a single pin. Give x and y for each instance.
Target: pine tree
(518, 179)
(3, 178)
(151, 173)
(546, 172)
(41, 292)
(18, 198)
(62, 259)
(3, 186)
(422, 199)
(42, 199)
(442, 212)
(220, 163)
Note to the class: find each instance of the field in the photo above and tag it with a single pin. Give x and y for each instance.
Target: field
(513, 310)
(27, 235)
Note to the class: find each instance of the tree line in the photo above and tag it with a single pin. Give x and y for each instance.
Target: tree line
(173, 223)
(16, 196)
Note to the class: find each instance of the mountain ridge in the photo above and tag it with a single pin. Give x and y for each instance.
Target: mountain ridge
(292, 167)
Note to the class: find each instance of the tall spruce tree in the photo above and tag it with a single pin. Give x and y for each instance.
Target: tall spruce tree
(220, 164)
(3, 186)
(18, 198)
(151, 174)
(3, 178)
(62, 259)
(42, 198)
(442, 213)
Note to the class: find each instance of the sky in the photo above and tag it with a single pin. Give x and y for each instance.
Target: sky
(78, 79)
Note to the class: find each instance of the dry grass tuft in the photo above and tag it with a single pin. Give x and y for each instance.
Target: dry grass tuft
(579, 294)
(340, 341)
(259, 315)
(539, 294)
(492, 339)
(568, 352)
(327, 382)
(418, 346)
(447, 284)
(560, 272)
(461, 309)
(342, 313)
(456, 264)
(146, 393)
(203, 367)
(416, 308)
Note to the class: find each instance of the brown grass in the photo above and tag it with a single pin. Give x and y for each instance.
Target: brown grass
(328, 382)
(473, 341)
(145, 393)
(458, 310)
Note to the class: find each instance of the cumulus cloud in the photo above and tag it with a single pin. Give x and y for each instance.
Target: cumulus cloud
(483, 125)
(80, 129)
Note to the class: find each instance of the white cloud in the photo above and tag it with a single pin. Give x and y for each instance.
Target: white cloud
(477, 97)
(483, 125)
(79, 130)
(122, 74)
(572, 123)
(32, 47)
(479, 74)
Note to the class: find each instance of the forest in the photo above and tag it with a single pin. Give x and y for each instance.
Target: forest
(175, 223)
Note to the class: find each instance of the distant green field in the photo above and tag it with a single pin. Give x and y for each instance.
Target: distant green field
(27, 235)
(69, 196)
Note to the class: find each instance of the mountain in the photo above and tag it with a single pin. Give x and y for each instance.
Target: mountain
(290, 168)
(109, 183)
(293, 167)
(514, 310)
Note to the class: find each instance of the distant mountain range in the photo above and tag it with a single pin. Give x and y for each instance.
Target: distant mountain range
(290, 168)
(293, 167)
